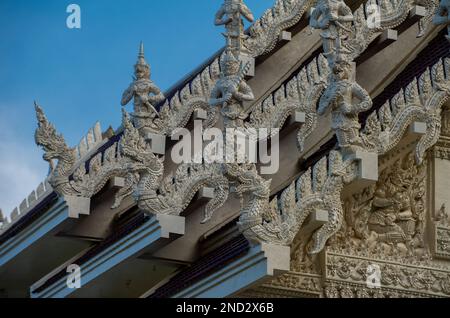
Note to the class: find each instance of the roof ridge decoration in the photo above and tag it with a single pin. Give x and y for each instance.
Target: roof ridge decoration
(299, 95)
(421, 101)
(345, 37)
(175, 113)
(358, 35)
(55, 148)
(302, 92)
(265, 32)
(87, 179)
(170, 195)
(262, 38)
(173, 194)
(145, 94)
(320, 187)
(317, 189)
(131, 159)
(231, 90)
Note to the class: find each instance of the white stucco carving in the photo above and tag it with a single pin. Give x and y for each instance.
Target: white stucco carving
(231, 90)
(298, 95)
(422, 101)
(145, 94)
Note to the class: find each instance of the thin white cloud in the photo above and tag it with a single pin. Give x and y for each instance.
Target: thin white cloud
(21, 168)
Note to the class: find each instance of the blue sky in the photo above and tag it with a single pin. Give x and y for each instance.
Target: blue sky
(78, 76)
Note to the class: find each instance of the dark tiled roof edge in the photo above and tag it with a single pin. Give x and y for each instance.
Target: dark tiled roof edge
(136, 222)
(208, 264)
(27, 219)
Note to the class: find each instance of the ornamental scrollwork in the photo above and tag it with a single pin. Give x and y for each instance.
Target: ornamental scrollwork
(392, 13)
(69, 178)
(177, 109)
(279, 221)
(422, 101)
(265, 32)
(300, 94)
(346, 277)
(153, 113)
(172, 194)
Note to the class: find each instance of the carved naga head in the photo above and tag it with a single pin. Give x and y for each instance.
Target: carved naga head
(248, 180)
(54, 145)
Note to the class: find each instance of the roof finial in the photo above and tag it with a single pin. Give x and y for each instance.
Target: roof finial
(141, 56)
(141, 50)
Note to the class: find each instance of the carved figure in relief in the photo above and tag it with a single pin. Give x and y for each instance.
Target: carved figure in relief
(442, 16)
(340, 97)
(231, 91)
(334, 18)
(390, 216)
(146, 96)
(231, 14)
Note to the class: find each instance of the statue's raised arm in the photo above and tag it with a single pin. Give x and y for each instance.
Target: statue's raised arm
(158, 95)
(247, 13)
(232, 12)
(128, 95)
(244, 92)
(221, 17)
(344, 14)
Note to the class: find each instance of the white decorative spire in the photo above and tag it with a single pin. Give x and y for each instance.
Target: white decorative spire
(141, 57)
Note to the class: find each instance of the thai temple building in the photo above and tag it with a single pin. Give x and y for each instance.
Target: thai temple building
(350, 97)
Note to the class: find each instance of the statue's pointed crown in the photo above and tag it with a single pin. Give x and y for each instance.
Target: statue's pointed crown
(141, 56)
